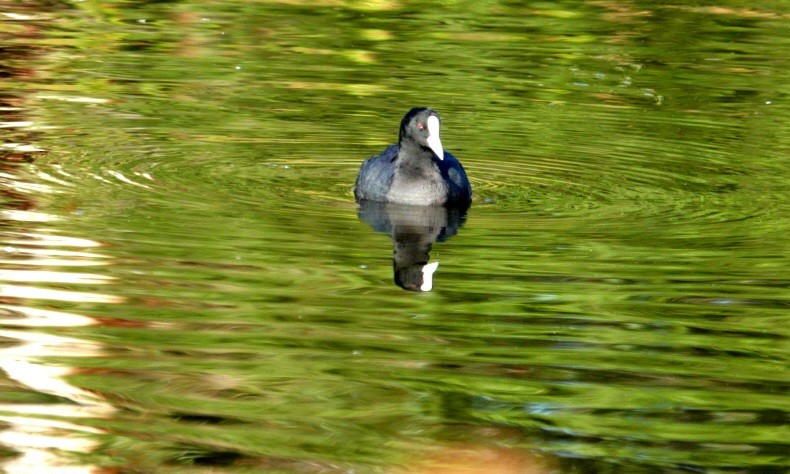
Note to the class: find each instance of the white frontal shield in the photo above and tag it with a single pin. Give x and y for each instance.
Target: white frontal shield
(433, 137)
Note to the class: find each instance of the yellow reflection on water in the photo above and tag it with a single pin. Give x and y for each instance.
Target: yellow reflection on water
(26, 216)
(42, 433)
(44, 239)
(38, 432)
(21, 316)
(16, 291)
(53, 277)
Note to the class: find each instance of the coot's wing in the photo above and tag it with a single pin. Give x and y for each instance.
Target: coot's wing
(460, 191)
(375, 176)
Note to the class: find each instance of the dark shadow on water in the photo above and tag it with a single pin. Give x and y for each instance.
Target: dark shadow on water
(413, 229)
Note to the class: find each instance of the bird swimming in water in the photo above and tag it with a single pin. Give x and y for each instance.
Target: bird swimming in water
(416, 171)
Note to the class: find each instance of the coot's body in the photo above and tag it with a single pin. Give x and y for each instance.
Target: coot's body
(416, 171)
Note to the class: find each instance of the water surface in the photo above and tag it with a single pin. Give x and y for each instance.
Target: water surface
(188, 285)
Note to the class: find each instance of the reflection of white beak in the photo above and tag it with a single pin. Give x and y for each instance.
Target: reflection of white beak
(433, 137)
(427, 275)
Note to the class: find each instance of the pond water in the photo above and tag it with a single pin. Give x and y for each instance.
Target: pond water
(189, 286)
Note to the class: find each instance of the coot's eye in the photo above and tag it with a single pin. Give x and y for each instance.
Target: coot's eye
(419, 126)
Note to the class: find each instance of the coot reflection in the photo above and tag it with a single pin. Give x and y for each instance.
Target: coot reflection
(413, 229)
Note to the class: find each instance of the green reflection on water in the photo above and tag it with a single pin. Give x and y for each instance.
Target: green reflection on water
(617, 297)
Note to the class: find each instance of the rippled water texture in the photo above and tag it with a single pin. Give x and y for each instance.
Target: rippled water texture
(188, 285)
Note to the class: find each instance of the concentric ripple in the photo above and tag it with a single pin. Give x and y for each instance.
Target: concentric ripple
(580, 182)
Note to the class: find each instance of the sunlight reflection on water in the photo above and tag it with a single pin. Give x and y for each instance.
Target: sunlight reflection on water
(39, 432)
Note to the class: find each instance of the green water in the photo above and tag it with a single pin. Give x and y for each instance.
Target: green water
(187, 285)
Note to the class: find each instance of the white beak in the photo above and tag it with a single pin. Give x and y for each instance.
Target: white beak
(433, 137)
(427, 276)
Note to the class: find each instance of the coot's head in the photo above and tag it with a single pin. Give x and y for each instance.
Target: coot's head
(421, 126)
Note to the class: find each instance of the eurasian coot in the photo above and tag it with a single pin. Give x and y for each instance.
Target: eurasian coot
(416, 171)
